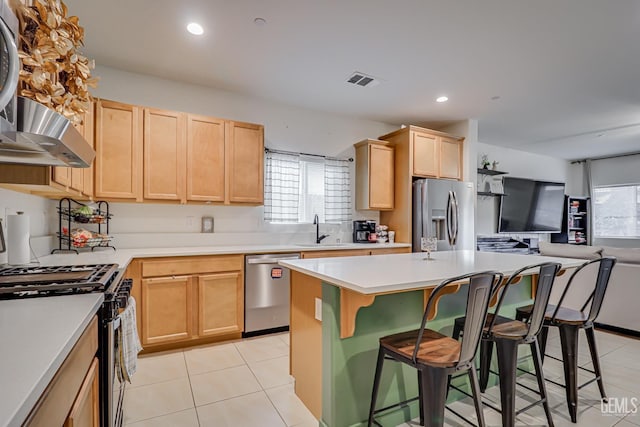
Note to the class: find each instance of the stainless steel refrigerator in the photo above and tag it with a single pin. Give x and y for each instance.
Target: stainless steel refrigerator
(443, 209)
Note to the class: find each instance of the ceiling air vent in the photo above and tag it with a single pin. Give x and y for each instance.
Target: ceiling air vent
(361, 79)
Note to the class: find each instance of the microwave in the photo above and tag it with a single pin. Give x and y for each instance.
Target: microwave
(9, 70)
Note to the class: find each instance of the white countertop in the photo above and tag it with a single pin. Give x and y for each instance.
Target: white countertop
(36, 335)
(122, 257)
(404, 272)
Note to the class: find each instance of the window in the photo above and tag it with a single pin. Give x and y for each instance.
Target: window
(616, 211)
(297, 187)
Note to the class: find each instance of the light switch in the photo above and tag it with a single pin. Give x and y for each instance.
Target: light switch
(318, 315)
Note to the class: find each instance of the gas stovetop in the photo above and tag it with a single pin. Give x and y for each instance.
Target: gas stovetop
(21, 282)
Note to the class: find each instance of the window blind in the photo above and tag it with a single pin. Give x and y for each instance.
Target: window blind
(281, 187)
(337, 191)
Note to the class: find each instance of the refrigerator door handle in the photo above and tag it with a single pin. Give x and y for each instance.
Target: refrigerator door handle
(449, 218)
(456, 217)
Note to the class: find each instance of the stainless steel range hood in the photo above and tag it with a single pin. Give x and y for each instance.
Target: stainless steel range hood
(44, 137)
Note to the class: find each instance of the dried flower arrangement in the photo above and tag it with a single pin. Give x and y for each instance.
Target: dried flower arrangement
(53, 70)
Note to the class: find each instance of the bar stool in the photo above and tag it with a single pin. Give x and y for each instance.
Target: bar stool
(569, 322)
(508, 334)
(437, 356)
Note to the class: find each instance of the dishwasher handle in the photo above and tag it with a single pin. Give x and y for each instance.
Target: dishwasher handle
(270, 260)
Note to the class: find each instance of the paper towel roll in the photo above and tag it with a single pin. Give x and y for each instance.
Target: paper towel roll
(18, 239)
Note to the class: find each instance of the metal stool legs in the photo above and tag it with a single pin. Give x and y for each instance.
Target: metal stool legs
(376, 385)
(537, 363)
(433, 394)
(507, 352)
(591, 340)
(569, 344)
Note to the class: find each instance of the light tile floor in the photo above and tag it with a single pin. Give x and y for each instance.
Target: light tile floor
(246, 384)
(239, 384)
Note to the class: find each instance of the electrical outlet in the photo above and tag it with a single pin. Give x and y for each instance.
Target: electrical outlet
(190, 221)
(318, 314)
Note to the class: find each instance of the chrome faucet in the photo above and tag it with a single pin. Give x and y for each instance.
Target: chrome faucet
(316, 222)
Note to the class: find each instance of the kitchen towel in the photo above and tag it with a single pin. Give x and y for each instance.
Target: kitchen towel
(129, 343)
(18, 239)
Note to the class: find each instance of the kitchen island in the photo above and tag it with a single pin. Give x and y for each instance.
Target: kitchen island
(359, 300)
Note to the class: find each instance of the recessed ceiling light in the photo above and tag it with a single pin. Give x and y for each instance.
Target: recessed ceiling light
(260, 22)
(195, 29)
(442, 99)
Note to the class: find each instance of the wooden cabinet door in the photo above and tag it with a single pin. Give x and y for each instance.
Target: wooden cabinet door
(425, 154)
(86, 408)
(205, 158)
(118, 163)
(381, 172)
(164, 155)
(167, 307)
(61, 175)
(245, 163)
(220, 303)
(450, 158)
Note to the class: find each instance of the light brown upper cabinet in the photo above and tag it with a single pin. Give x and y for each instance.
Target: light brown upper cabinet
(119, 148)
(165, 136)
(146, 154)
(374, 175)
(245, 163)
(450, 158)
(431, 154)
(425, 154)
(205, 159)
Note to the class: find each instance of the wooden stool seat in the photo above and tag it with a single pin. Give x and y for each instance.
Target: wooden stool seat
(565, 315)
(436, 349)
(513, 330)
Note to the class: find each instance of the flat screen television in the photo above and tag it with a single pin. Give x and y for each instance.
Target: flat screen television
(531, 206)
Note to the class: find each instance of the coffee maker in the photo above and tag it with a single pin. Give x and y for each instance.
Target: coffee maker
(364, 231)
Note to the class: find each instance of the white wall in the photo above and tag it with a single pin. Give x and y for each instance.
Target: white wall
(286, 128)
(41, 212)
(518, 164)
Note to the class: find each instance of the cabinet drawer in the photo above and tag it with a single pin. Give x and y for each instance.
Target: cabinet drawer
(191, 265)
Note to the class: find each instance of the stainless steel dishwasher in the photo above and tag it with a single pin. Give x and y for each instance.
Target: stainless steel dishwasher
(266, 294)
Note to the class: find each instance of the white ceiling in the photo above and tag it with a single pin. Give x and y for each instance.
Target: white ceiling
(567, 72)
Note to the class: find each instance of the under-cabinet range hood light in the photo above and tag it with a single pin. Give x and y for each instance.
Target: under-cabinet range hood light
(44, 137)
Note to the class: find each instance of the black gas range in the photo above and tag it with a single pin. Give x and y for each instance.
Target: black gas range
(48, 281)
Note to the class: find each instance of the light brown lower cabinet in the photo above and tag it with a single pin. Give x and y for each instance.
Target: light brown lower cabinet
(167, 305)
(220, 303)
(204, 302)
(72, 396)
(86, 409)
